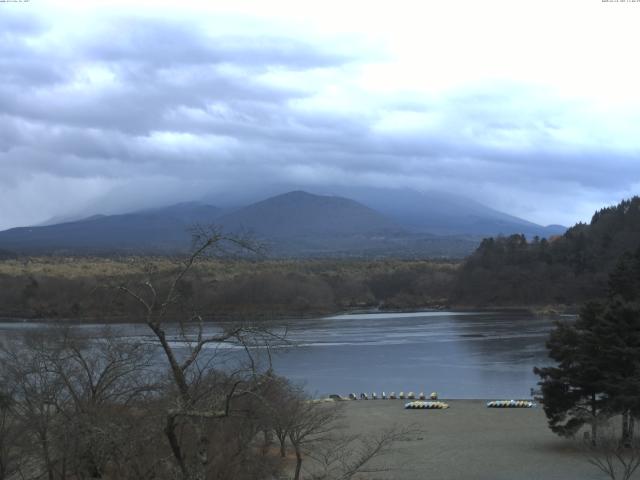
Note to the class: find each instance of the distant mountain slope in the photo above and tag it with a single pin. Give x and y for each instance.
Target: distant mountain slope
(300, 214)
(302, 224)
(567, 269)
(157, 230)
(444, 213)
(432, 212)
(295, 224)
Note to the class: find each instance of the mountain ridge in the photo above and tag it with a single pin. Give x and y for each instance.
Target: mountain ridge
(295, 223)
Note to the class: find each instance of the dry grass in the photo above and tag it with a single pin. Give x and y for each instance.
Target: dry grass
(79, 267)
(85, 287)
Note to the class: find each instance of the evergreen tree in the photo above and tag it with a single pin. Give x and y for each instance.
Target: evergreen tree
(619, 329)
(624, 281)
(574, 390)
(598, 359)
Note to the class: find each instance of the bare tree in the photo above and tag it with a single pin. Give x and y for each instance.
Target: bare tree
(617, 459)
(11, 436)
(102, 370)
(311, 422)
(280, 402)
(102, 377)
(39, 397)
(72, 398)
(314, 430)
(198, 400)
(346, 456)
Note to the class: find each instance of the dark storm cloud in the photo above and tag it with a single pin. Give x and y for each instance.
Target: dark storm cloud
(132, 108)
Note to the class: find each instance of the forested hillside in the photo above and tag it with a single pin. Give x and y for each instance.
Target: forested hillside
(566, 269)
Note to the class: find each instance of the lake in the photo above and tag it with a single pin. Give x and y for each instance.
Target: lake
(458, 354)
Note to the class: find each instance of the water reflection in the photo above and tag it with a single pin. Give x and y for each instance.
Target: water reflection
(461, 355)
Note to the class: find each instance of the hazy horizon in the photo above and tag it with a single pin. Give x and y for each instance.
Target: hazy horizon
(239, 200)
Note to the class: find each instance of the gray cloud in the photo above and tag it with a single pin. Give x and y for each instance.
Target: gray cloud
(166, 43)
(139, 111)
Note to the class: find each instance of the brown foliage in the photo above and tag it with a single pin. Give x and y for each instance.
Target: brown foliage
(83, 288)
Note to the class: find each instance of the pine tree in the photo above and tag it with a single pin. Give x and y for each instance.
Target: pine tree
(574, 390)
(619, 329)
(598, 359)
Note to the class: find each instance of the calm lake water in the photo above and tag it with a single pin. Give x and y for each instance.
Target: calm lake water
(459, 355)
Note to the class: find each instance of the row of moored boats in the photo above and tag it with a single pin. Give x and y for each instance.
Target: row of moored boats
(420, 401)
(384, 396)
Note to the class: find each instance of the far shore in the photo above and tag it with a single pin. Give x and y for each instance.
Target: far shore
(543, 310)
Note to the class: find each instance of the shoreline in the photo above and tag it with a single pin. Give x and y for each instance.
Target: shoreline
(538, 310)
(439, 399)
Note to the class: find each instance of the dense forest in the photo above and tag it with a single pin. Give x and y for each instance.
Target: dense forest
(567, 269)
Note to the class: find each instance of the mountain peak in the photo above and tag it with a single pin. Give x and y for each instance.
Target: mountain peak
(299, 213)
(296, 194)
(303, 196)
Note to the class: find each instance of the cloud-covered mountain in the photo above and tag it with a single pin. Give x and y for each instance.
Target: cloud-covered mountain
(121, 109)
(301, 214)
(291, 224)
(443, 213)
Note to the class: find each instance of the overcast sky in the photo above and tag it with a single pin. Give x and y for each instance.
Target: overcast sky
(531, 107)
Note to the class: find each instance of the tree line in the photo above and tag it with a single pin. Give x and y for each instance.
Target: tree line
(77, 288)
(569, 269)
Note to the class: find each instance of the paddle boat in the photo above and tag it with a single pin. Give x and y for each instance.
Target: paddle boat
(510, 404)
(419, 404)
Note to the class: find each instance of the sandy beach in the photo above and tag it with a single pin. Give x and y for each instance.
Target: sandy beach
(470, 441)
